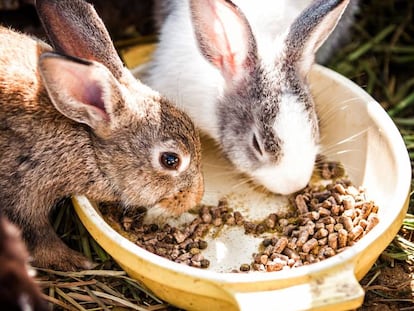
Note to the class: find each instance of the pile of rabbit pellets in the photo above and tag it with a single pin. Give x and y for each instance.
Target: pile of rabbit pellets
(325, 221)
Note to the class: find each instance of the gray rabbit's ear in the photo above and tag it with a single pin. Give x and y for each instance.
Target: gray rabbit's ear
(85, 92)
(224, 36)
(310, 30)
(74, 28)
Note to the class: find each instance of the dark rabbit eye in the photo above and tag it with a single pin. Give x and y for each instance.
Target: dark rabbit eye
(170, 160)
(256, 145)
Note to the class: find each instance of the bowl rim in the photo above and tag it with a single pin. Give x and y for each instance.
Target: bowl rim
(339, 260)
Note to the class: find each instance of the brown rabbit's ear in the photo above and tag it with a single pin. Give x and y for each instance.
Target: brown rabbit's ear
(224, 36)
(74, 28)
(83, 91)
(310, 30)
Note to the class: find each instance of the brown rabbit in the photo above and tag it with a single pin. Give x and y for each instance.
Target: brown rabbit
(82, 124)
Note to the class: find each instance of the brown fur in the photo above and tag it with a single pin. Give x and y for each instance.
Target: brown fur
(18, 291)
(47, 156)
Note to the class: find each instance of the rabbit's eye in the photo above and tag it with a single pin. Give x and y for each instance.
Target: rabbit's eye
(256, 145)
(170, 160)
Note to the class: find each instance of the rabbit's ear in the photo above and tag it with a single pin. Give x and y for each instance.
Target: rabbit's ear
(83, 91)
(310, 30)
(74, 28)
(224, 36)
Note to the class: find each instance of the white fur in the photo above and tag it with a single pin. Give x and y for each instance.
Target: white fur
(299, 150)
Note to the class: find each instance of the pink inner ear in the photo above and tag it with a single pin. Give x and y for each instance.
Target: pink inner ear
(93, 96)
(224, 35)
(86, 88)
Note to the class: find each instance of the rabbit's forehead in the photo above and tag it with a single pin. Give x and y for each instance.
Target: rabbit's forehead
(283, 111)
(284, 116)
(141, 100)
(295, 117)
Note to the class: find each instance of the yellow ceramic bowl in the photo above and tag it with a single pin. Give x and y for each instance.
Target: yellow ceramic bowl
(355, 131)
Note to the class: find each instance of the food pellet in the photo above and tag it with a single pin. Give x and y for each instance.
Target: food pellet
(325, 221)
(245, 267)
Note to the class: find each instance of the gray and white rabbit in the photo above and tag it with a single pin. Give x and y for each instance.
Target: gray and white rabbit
(82, 124)
(240, 70)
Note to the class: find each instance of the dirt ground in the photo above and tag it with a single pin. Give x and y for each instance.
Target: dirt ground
(389, 287)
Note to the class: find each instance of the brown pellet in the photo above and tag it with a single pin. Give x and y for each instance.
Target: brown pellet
(333, 240)
(281, 257)
(127, 222)
(329, 252)
(202, 244)
(277, 266)
(324, 212)
(301, 204)
(302, 238)
(356, 232)
(366, 209)
(260, 228)
(244, 267)
(292, 244)
(207, 218)
(347, 222)
(328, 220)
(340, 189)
(230, 220)
(338, 226)
(348, 202)
(179, 236)
(291, 253)
(269, 250)
(264, 259)
(350, 213)
(249, 227)
(287, 230)
(258, 267)
(238, 218)
(283, 222)
(194, 251)
(217, 222)
(342, 238)
(326, 204)
(197, 257)
(323, 241)
(321, 233)
(281, 244)
(363, 223)
(310, 227)
(309, 245)
(205, 263)
(330, 228)
(373, 220)
(335, 210)
(270, 221)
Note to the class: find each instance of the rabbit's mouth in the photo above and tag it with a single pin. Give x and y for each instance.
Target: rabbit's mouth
(180, 202)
